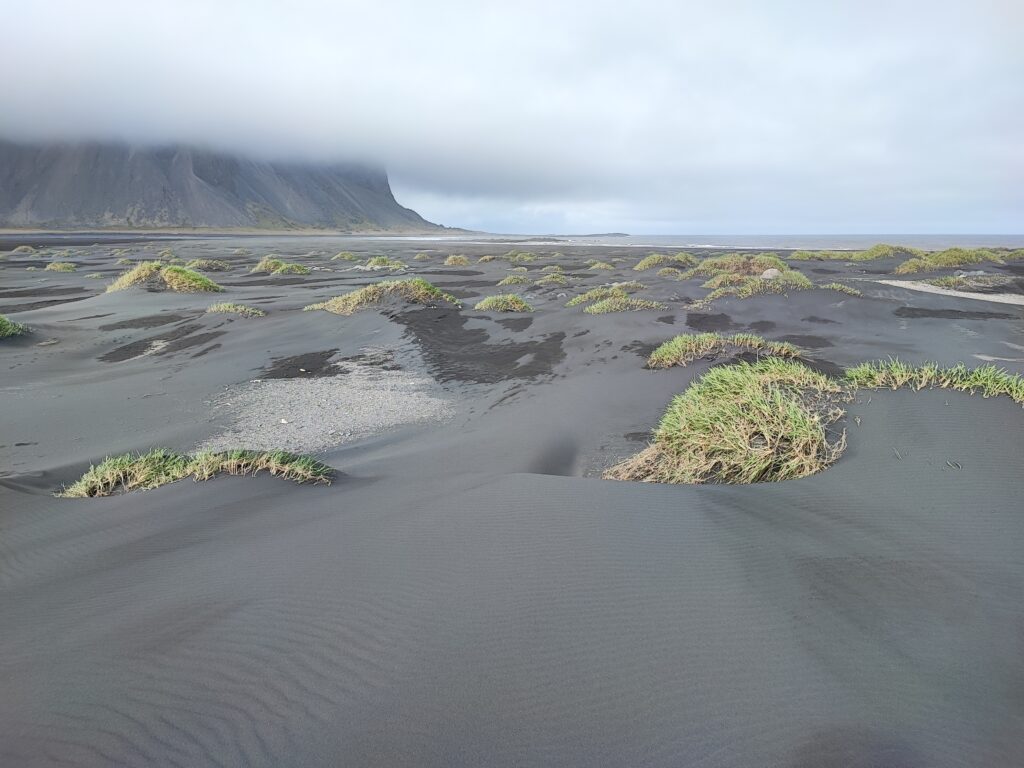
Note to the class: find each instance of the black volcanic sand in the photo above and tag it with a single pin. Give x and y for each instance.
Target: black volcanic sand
(469, 593)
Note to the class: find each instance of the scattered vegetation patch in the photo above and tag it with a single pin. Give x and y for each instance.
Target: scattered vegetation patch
(24, 249)
(9, 328)
(383, 262)
(123, 261)
(421, 256)
(227, 307)
(552, 279)
(456, 260)
(185, 280)
(141, 472)
(746, 423)
(208, 265)
(514, 280)
(60, 266)
(750, 265)
(345, 256)
(141, 273)
(519, 269)
(947, 259)
(505, 302)
(552, 268)
(988, 380)
(274, 266)
(415, 290)
(615, 290)
(653, 260)
(790, 280)
(969, 282)
(95, 275)
(686, 348)
(600, 265)
(842, 289)
(487, 259)
(622, 303)
(520, 257)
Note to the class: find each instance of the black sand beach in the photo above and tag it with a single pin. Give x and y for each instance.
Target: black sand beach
(469, 591)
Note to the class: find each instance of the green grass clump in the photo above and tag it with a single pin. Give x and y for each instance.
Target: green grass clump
(208, 265)
(421, 257)
(505, 302)
(456, 260)
(141, 472)
(552, 279)
(596, 294)
(60, 266)
(947, 259)
(751, 422)
(988, 380)
(885, 251)
(670, 273)
(142, 272)
(552, 268)
(95, 276)
(274, 266)
(725, 279)
(969, 282)
(487, 259)
(186, 281)
(620, 303)
(9, 328)
(751, 265)
(514, 280)
(415, 290)
(123, 262)
(839, 287)
(24, 249)
(653, 260)
(383, 262)
(519, 257)
(599, 265)
(227, 307)
(686, 348)
(519, 269)
(789, 280)
(344, 256)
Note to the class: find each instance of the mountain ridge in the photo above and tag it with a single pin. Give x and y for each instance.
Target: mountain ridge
(119, 186)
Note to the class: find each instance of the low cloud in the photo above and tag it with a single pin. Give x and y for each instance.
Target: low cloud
(734, 116)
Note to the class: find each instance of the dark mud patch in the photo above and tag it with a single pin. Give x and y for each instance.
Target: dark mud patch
(819, 320)
(515, 323)
(90, 317)
(558, 457)
(203, 352)
(39, 304)
(641, 348)
(807, 341)
(41, 291)
(667, 319)
(456, 353)
(638, 437)
(305, 366)
(825, 271)
(826, 367)
(700, 321)
(179, 339)
(149, 321)
(761, 326)
(377, 358)
(951, 314)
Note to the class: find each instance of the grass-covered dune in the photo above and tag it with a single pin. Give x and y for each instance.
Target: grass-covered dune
(144, 471)
(746, 423)
(274, 266)
(415, 290)
(505, 302)
(230, 308)
(154, 274)
(686, 348)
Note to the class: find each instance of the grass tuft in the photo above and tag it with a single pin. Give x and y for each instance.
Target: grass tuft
(344, 256)
(227, 307)
(60, 266)
(208, 265)
(746, 423)
(383, 262)
(186, 281)
(274, 266)
(552, 279)
(599, 265)
(142, 272)
(505, 302)
(947, 259)
(141, 472)
(841, 289)
(9, 328)
(513, 280)
(622, 303)
(415, 290)
(988, 380)
(686, 348)
(653, 260)
(456, 260)
(23, 249)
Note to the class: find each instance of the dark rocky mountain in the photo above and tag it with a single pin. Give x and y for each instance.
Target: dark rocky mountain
(68, 186)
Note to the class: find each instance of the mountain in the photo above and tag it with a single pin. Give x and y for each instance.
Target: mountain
(73, 186)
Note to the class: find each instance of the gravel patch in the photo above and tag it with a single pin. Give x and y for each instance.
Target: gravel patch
(307, 415)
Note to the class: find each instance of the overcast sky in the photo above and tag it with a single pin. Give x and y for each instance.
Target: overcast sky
(675, 117)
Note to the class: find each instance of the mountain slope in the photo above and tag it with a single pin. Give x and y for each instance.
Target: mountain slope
(107, 185)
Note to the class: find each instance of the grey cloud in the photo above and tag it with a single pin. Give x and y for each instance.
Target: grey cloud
(733, 116)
